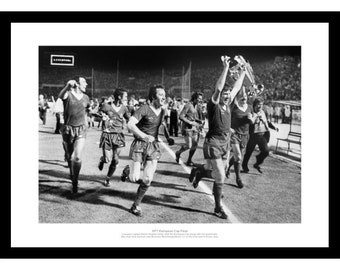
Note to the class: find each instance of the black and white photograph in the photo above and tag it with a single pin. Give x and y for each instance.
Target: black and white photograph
(170, 134)
(165, 135)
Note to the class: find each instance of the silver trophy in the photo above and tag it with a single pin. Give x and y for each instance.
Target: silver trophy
(235, 66)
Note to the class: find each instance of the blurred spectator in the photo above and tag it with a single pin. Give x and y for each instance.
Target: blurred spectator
(270, 112)
(43, 106)
(277, 113)
(283, 114)
(91, 113)
(287, 114)
(104, 100)
(174, 113)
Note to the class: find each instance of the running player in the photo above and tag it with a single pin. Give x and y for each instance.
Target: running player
(259, 135)
(192, 120)
(241, 118)
(112, 138)
(76, 102)
(145, 150)
(216, 145)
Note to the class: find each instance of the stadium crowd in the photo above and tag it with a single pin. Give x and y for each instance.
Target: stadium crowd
(281, 78)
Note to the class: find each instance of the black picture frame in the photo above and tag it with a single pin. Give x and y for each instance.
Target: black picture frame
(6, 18)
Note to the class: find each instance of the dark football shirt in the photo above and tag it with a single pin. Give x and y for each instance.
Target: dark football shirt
(189, 112)
(239, 120)
(218, 119)
(149, 122)
(75, 110)
(115, 123)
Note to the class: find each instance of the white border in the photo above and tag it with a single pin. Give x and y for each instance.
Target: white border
(313, 37)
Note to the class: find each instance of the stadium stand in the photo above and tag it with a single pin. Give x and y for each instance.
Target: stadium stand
(281, 78)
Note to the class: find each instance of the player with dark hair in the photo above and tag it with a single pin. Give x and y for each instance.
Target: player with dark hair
(259, 135)
(76, 103)
(112, 138)
(192, 120)
(241, 118)
(145, 150)
(216, 146)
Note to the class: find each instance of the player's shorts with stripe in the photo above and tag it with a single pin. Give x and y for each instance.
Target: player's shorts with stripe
(216, 147)
(141, 151)
(70, 133)
(241, 139)
(111, 140)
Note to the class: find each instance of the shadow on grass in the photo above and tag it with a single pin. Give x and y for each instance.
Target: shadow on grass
(166, 162)
(232, 185)
(65, 175)
(89, 196)
(54, 181)
(48, 132)
(174, 186)
(284, 154)
(54, 162)
(172, 173)
(59, 175)
(94, 196)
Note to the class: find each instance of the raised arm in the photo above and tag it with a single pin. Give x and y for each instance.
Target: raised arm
(237, 86)
(68, 86)
(221, 80)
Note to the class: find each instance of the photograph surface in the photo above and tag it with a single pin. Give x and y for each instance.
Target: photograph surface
(261, 151)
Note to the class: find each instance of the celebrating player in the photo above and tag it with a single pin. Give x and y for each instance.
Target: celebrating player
(241, 118)
(192, 120)
(112, 138)
(145, 150)
(216, 145)
(76, 102)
